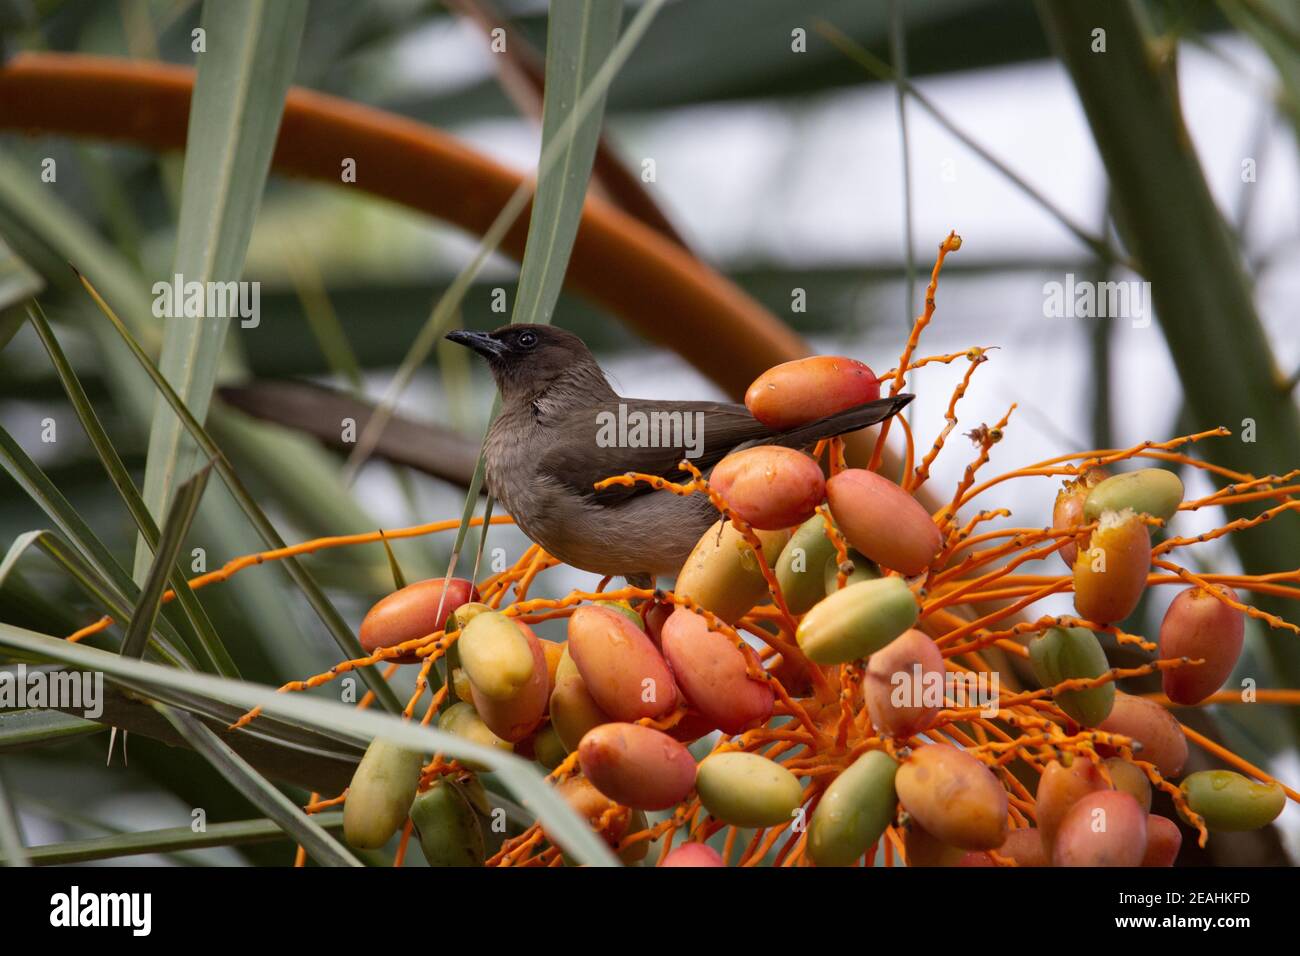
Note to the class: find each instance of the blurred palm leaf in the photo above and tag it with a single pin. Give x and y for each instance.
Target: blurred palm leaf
(200, 627)
(235, 113)
(580, 39)
(170, 840)
(329, 616)
(180, 515)
(334, 719)
(314, 409)
(305, 831)
(36, 728)
(11, 840)
(79, 551)
(18, 281)
(50, 235)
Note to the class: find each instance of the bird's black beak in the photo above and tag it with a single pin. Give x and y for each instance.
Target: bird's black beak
(481, 342)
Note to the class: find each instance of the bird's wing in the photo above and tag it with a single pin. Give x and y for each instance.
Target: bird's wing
(652, 437)
(646, 436)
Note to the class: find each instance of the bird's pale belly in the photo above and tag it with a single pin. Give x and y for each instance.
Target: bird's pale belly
(650, 534)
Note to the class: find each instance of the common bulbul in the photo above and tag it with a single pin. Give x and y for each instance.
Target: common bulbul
(562, 428)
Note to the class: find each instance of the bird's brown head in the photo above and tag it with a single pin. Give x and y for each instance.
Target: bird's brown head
(532, 361)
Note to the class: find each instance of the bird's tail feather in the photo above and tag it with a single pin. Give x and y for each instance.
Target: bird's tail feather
(849, 420)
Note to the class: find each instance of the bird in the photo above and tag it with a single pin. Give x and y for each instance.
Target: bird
(558, 434)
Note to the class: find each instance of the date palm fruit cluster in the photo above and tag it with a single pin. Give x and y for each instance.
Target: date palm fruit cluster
(793, 699)
(616, 706)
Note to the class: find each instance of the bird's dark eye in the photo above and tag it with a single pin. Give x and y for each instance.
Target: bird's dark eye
(527, 340)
